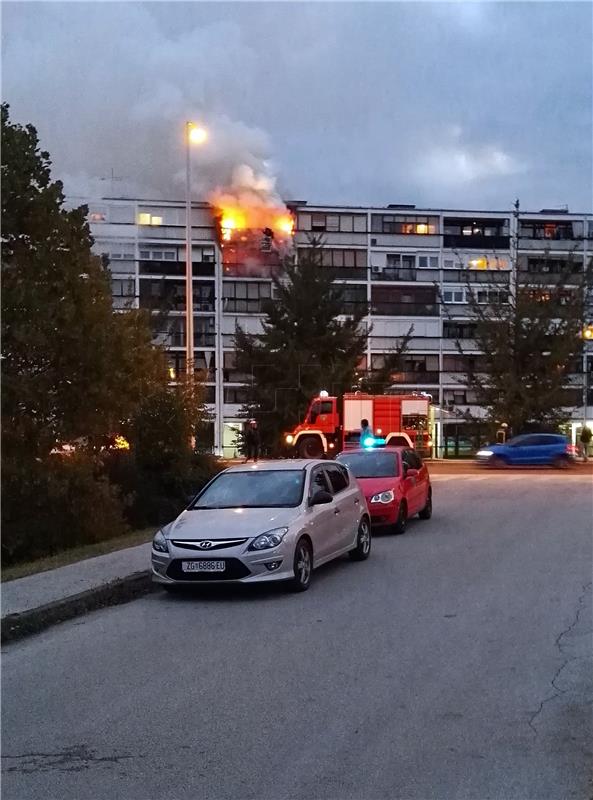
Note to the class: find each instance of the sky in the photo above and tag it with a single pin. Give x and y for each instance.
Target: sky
(451, 105)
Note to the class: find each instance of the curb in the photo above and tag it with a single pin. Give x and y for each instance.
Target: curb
(122, 590)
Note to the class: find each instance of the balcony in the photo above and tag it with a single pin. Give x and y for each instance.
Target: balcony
(478, 242)
(405, 309)
(394, 274)
(347, 273)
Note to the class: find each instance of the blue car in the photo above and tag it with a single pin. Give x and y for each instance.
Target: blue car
(531, 449)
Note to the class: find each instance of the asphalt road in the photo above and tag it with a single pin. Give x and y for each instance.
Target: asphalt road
(455, 663)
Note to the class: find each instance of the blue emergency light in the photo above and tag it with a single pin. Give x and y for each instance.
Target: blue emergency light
(371, 442)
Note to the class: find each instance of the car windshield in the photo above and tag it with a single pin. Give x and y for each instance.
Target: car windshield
(371, 465)
(253, 489)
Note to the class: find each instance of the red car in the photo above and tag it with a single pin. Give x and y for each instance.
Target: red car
(395, 482)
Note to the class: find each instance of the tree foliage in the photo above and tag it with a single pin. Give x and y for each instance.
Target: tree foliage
(528, 337)
(71, 366)
(306, 345)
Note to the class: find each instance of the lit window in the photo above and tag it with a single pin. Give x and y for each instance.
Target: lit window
(422, 228)
(156, 220)
(97, 216)
(143, 219)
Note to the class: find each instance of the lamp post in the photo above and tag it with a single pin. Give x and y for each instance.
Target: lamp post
(197, 135)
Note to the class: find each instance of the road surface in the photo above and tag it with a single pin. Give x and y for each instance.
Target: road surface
(454, 664)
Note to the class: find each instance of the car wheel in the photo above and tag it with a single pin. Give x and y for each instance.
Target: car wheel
(363, 541)
(498, 463)
(560, 462)
(310, 447)
(426, 512)
(303, 566)
(402, 519)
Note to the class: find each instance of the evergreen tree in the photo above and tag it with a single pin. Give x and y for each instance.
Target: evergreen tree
(306, 345)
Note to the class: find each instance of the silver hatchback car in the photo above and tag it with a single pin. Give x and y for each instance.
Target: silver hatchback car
(271, 521)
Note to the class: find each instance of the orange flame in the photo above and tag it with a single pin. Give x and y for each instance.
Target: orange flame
(233, 219)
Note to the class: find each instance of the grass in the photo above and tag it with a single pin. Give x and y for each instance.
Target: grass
(77, 554)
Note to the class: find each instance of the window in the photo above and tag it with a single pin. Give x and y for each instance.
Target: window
(411, 460)
(204, 331)
(338, 478)
(97, 216)
(320, 408)
(404, 301)
(318, 482)
(454, 296)
(144, 218)
(428, 262)
(353, 298)
(458, 330)
(123, 288)
(553, 266)
(539, 229)
(235, 395)
(333, 223)
(242, 297)
(340, 258)
(404, 225)
(492, 297)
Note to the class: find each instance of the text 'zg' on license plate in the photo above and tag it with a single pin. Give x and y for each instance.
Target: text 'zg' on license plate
(203, 566)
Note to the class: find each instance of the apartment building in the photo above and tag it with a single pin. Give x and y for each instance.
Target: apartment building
(399, 261)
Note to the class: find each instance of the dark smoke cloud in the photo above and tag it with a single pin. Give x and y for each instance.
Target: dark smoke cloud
(439, 104)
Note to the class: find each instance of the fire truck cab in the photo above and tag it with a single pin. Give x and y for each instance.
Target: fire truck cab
(332, 424)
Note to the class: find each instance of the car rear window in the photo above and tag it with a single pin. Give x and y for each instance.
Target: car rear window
(374, 464)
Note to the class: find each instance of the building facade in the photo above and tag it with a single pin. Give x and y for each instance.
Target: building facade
(408, 266)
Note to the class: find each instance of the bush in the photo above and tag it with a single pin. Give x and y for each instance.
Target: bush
(156, 495)
(55, 505)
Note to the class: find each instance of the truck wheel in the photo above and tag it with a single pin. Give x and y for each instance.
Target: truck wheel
(310, 447)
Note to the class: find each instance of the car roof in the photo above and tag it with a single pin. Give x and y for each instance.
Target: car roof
(281, 464)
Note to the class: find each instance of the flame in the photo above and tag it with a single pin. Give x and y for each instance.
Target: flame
(231, 220)
(285, 224)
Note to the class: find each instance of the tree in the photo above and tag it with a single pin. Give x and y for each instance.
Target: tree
(72, 367)
(379, 380)
(306, 345)
(527, 335)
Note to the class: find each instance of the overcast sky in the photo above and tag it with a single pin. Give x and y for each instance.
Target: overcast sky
(465, 105)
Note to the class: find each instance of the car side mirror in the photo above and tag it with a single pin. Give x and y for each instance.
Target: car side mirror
(411, 473)
(321, 498)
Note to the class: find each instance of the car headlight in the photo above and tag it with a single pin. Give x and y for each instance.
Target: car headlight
(268, 539)
(383, 497)
(159, 543)
(485, 453)
(289, 439)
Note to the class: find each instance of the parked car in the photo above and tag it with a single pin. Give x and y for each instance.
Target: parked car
(531, 449)
(395, 482)
(270, 521)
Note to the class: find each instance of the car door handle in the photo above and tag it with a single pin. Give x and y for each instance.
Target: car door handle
(356, 502)
(336, 510)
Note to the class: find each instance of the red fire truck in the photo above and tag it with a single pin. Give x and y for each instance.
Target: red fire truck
(332, 424)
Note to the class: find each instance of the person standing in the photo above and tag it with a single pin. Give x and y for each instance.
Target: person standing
(366, 432)
(585, 440)
(252, 441)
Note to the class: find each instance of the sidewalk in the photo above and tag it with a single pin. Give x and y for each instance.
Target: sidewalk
(33, 603)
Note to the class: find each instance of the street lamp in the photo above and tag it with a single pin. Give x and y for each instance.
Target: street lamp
(194, 135)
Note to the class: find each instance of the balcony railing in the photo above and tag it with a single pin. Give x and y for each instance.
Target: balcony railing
(405, 309)
(485, 243)
(415, 378)
(394, 274)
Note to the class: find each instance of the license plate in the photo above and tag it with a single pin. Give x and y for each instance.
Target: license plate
(203, 566)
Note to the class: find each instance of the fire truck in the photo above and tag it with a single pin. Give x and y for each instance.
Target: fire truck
(332, 424)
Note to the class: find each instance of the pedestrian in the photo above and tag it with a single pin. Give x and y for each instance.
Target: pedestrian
(366, 432)
(585, 439)
(252, 441)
